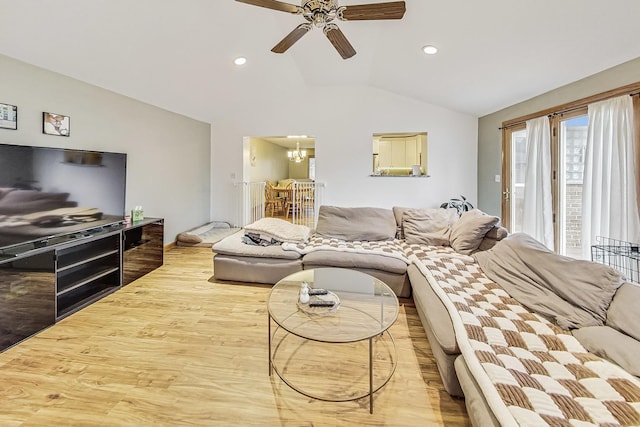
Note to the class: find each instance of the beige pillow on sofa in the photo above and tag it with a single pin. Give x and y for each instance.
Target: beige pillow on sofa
(428, 226)
(398, 213)
(467, 233)
(361, 223)
(623, 313)
(612, 345)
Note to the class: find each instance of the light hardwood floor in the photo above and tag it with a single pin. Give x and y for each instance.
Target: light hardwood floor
(176, 348)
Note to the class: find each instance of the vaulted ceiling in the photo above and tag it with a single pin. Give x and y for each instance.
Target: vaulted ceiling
(179, 54)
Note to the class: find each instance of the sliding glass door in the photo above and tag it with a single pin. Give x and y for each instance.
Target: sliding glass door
(568, 142)
(572, 144)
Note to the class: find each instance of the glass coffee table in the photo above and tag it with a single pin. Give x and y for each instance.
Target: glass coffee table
(364, 309)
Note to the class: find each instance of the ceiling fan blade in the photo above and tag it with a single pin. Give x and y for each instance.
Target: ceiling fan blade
(339, 41)
(291, 38)
(388, 10)
(275, 5)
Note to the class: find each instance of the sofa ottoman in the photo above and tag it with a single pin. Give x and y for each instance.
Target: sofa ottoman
(236, 261)
(391, 271)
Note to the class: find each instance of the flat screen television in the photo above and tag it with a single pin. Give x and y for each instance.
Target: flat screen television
(48, 192)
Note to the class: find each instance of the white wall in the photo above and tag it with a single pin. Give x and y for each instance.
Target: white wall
(270, 161)
(342, 121)
(168, 168)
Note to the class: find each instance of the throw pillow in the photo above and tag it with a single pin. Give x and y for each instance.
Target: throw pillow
(368, 224)
(428, 226)
(398, 213)
(467, 233)
(623, 312)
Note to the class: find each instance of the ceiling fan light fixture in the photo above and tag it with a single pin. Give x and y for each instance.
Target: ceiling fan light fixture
(321, 14)
(430, 50)
(319, 20)
(240, 60)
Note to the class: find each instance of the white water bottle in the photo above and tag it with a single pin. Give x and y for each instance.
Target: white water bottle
(304, 293)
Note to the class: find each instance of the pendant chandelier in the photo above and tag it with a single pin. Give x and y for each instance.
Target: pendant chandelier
(297, 155)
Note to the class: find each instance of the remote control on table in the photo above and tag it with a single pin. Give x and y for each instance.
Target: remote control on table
(321, 303)
(318, 291)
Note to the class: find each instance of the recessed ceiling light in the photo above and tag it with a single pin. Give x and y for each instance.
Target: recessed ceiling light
(430, 50)
(240, 60)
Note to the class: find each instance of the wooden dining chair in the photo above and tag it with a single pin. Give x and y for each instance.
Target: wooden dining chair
(271, 201)
(292, 203)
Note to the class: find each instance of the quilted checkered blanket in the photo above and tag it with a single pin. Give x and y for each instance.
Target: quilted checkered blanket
(532, 373)
(389, 248)
(418, 252)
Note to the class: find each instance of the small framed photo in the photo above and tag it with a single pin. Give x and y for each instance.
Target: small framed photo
(55, 124)
(8, 116)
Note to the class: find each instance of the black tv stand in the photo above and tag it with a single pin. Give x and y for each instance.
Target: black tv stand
(52, 278)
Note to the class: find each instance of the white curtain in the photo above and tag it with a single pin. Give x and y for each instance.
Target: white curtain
(537, 218)
(609, 197)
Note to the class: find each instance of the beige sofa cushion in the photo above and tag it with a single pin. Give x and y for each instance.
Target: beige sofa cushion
(623, 313)
(354, 260)
(398, 213)
(434, 311)
(233, 245)
(428, 226)
(467, 233)
(364, 224)
(253, 269)
(612, 345)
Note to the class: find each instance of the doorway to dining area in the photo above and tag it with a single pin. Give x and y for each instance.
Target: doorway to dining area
(279, 180)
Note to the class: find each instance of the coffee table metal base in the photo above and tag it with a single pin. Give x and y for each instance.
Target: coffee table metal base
(273, 368)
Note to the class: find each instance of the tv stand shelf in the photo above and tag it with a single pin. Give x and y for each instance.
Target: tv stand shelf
(45, 284)
(87, 269)
(82, 300)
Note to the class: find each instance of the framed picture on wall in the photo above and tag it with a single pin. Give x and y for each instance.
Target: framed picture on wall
(8, 116)
(55, 124)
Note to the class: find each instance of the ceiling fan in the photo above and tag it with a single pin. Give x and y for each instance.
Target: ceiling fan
(321, 13)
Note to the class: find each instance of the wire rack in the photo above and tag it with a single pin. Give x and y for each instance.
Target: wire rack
(618, 254)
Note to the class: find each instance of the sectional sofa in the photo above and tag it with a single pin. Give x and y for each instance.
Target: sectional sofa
(526, 336)
(366, 239)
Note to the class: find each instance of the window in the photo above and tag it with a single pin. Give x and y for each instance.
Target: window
(516, 151)
(572, 144)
